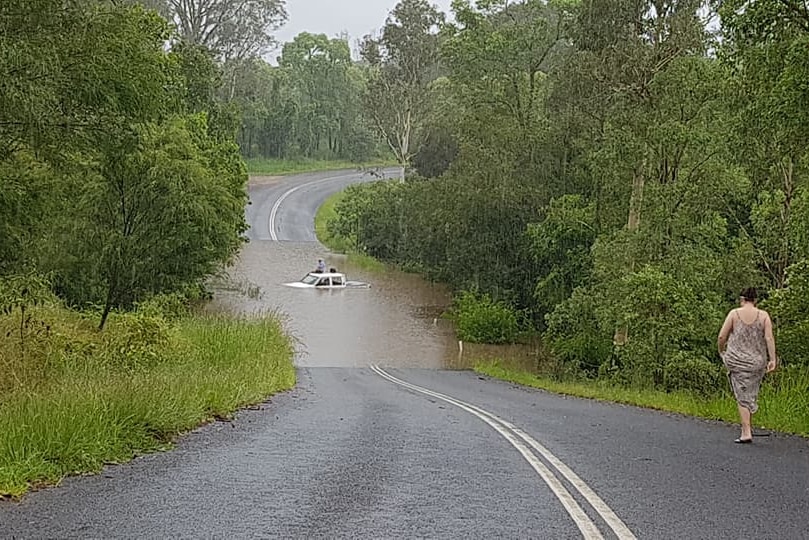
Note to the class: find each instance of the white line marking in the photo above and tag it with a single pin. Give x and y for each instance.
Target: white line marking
(277, 205)
(508, 430)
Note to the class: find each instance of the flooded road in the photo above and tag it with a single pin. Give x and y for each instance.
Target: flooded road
(395, 323)
(397, 452)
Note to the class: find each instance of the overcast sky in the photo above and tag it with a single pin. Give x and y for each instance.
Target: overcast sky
(330, 17)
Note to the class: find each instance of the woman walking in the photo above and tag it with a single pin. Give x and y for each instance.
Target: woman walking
(746, 343)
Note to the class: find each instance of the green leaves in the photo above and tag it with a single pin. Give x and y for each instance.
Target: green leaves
(21, 291)
(403, 61)
(106, 182)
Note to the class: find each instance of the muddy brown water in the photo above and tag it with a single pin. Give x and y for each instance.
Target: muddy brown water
(396, 322)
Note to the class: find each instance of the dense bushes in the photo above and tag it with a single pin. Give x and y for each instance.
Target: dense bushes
(789, 308)
(479, 319)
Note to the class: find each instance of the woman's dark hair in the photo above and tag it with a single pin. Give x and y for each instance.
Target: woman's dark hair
(749, 294)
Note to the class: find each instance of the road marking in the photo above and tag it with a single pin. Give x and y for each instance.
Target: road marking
(282, 198)
(518, 439)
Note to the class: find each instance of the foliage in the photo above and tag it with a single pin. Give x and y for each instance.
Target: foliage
(697, 374)
(168, 178)
(82, 399)
(784, 393)
(576, 334)
(233, 30)
(436, 153)
(620, 175)
(403, 63)
(119, 178)
(561, 243)
(667, 317)
(481, 320)
(309, 106)
(789, 308)
(19, 295)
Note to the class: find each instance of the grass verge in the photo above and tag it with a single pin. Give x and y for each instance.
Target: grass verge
(339, 244)
(278, 167)
(783, 400)
(77, 399)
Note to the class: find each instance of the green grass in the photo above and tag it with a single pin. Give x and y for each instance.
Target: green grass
(280, 167)
(339, 244)
(81, 399)
(784, 400)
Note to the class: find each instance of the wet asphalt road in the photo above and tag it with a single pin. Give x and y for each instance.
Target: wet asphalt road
(352, 454)
(285, 211)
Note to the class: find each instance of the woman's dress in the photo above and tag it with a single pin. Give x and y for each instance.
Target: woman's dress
(746, 360)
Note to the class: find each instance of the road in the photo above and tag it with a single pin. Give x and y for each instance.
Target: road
(394, 452)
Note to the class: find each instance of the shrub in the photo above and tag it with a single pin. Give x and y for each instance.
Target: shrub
(136, 340)
(575, 335)
(687, 371)
(789, 308)
(171, 307)
(482, 320)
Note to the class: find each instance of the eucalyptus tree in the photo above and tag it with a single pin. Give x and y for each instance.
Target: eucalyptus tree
(269, 103)
(319, 68)
(163, 210)
(765, 44)
(403, 62)
(233, 29)
(73, 74)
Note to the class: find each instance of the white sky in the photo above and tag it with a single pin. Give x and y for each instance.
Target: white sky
(331, 17)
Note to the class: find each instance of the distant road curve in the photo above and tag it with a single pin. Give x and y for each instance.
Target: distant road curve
(284, 211)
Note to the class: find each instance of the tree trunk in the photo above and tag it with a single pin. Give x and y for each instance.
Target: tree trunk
(633, 224)
(787, 168)
(108, 303)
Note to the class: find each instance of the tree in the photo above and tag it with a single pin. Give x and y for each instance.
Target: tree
(72, 75)
(164, 209)
(500, 56)
(232, 29)
(403, 61)
(766, 47)
(108, 183)
(319, 69)
(235, 31)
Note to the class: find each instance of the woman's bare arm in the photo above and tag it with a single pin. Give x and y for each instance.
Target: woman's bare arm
(770, 338)
(724, 333)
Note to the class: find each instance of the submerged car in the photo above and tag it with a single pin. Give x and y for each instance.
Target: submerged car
(326, 280)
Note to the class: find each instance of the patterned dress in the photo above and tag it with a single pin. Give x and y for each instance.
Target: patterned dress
(746, 360)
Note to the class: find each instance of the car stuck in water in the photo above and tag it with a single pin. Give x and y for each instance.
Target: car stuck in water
(327, 280)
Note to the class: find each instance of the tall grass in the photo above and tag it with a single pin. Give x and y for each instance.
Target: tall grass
(784, 398)
(279, 167)
(80, 399)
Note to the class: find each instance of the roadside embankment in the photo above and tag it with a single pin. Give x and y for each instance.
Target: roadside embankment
(73, 399)
(783, 399)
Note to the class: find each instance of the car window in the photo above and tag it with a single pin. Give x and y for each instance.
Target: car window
(309, 279)
(323, 282)
(336, 280)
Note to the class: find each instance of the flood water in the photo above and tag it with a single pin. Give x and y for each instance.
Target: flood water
(395, 323)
